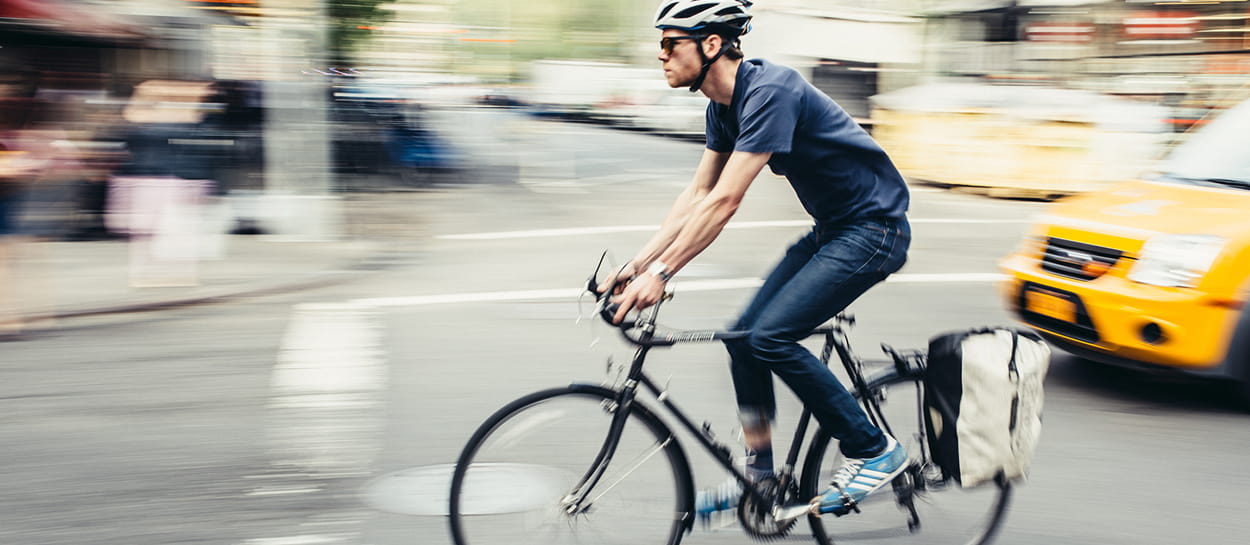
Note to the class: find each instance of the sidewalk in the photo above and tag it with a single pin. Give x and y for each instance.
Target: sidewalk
(68, 279)
(84, 278)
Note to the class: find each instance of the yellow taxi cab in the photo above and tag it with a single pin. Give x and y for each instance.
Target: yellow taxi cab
(1153, 273)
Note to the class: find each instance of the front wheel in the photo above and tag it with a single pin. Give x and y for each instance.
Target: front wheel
(946, 513)
(516, 481)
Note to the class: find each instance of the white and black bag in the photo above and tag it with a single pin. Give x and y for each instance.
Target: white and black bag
(983, 394)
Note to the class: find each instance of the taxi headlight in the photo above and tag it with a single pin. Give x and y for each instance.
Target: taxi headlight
(1176, 260)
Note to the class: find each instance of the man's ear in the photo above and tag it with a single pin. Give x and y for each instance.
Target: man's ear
(712, 44)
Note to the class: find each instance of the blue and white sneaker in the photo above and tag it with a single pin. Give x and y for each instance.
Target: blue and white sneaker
(714, 500)
(856, 479)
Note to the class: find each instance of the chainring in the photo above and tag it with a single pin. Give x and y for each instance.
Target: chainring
(757, 519)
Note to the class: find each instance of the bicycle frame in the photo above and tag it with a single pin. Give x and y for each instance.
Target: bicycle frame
(835, 342)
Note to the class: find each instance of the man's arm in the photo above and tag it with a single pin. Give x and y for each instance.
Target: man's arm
(709, 170)
(714, 210)
(710, 167)
(702, 224)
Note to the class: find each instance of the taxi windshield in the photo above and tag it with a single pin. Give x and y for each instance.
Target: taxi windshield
(1215, 154)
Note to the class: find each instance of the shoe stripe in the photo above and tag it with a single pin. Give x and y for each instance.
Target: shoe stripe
(874, 473)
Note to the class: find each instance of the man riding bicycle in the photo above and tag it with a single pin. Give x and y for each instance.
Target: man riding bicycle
(762, 113)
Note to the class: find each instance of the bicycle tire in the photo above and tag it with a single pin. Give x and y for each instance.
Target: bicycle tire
(947, 513)
(521, 462)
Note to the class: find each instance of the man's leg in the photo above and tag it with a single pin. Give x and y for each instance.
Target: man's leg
(852, 261)
(753, 381)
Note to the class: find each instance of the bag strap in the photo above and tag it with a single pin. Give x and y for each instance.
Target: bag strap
(1012, 369)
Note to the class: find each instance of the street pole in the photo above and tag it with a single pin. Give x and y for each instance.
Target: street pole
(298, 201)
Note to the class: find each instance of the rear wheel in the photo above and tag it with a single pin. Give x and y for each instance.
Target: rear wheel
(947, 514)
(513, 482)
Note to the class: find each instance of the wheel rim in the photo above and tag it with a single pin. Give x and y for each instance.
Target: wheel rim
(947, 513)
(513, 487)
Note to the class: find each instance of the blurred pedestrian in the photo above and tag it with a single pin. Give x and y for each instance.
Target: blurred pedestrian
(16, 170)
(23, 156)
(159, 195)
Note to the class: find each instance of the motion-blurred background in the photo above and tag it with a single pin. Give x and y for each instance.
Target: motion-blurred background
(966, 92)
(364, 224)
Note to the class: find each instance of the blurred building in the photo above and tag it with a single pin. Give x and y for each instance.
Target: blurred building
(1041, 98)
(849, 49)
(1189, 55)
(69, 44)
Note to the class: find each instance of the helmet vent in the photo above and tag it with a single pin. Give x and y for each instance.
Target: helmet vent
(691, 11)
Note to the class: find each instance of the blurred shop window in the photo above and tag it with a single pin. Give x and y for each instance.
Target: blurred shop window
(1004, 25)
(849, 83)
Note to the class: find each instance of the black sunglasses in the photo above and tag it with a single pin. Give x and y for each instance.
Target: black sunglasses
(667, 43)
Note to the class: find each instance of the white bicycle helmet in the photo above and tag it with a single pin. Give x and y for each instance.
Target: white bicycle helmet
(719, 16)
(728, 18)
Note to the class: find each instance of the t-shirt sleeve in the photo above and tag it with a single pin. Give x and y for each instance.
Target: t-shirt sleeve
(770, 114)
(716, 136)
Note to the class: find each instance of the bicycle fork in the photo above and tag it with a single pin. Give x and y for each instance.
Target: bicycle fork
(577, 501)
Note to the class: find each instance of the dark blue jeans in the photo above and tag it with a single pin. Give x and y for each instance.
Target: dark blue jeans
(819, 276)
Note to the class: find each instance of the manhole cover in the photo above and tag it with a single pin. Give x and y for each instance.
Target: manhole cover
(495, 488)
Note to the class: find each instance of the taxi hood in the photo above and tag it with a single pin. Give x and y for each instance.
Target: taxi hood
(1138, 210)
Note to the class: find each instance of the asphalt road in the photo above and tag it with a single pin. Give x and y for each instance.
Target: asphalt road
(328, 416)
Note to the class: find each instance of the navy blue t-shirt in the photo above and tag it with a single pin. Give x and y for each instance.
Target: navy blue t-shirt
(838, 172)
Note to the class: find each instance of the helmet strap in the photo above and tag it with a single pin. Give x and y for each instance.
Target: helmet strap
(707, 64)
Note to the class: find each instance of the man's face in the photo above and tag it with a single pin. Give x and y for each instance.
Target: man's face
(682, 66)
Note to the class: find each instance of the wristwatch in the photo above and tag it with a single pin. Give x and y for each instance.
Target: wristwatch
(660, 270)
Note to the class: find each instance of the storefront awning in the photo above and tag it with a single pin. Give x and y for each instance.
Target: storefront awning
(44, 20)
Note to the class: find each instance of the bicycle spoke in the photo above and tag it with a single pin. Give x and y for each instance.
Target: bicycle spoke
(543, 467)
(642, 458)
(947, 514)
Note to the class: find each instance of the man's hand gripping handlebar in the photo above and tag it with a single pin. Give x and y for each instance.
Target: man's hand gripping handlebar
(606, 292)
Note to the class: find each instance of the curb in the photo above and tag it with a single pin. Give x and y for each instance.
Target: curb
(314, 280)
(1047, 194)
(346, 270)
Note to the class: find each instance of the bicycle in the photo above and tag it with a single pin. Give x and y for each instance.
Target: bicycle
(596, 464)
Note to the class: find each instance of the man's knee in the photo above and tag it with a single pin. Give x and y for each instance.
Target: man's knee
(770, 347)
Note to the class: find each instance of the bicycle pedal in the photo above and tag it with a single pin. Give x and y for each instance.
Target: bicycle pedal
(786, 513)
(840, 512)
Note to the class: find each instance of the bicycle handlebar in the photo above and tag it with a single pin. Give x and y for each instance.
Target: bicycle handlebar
(643, 331)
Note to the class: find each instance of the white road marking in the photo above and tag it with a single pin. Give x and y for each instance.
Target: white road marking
(576, 231)
(326, 412)
(296, 540)
(679, 287)
(326, 391)
(943, 278)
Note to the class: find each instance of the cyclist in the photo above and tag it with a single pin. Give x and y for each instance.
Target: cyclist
(763, 113)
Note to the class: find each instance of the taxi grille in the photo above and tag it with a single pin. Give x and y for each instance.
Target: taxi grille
(1078, 260)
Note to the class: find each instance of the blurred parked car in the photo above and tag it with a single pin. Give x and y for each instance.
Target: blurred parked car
(1155, 273)
(375, 132)
(499, 98)
(674, 113)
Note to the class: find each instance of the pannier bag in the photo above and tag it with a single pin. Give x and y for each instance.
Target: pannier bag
(983, 399)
